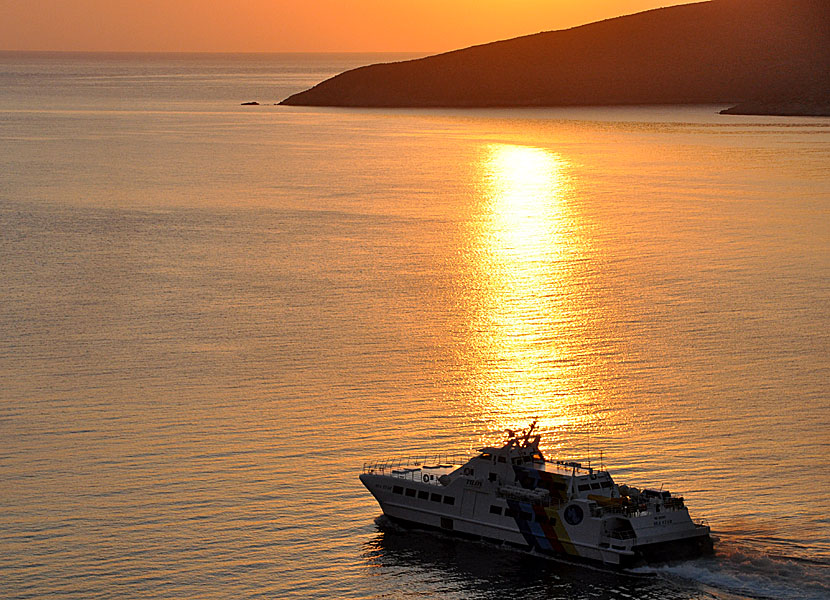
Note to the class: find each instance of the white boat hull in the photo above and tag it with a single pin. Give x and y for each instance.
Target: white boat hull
(469, 509)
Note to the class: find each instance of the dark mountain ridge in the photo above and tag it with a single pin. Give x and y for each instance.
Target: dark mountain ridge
(725, 51)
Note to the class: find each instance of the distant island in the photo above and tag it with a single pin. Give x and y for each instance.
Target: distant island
(766, 56)
(782, 108)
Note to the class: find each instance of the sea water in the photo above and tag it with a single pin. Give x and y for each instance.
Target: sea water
(212, 314)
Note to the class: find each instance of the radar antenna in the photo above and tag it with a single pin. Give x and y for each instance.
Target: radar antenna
(526, 437)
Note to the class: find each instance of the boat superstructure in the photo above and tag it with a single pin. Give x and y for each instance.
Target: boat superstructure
(513, 495)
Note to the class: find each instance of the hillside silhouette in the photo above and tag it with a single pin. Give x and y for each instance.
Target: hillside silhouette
(722, 51)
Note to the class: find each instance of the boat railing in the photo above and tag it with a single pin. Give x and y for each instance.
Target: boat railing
(402, 465)
(628, 510)
(622, 534)
(538, 497)
(577, 467)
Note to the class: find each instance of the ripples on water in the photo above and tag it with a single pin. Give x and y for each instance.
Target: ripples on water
(212, 315)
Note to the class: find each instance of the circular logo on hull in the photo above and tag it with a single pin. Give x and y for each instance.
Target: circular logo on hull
(574, 514)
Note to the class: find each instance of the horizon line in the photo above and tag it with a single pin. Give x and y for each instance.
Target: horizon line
(221, 52)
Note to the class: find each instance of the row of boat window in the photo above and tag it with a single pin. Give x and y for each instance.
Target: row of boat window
(496, 510)
(594, 486)
(524, 515)
(423, 495)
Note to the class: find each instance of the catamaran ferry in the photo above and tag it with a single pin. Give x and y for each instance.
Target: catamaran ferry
(513, 495)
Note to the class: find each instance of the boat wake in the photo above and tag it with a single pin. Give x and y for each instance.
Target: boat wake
(750, 573)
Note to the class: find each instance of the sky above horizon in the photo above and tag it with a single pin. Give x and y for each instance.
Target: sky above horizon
(290, 25)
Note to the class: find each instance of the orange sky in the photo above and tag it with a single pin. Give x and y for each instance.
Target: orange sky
(289, 25)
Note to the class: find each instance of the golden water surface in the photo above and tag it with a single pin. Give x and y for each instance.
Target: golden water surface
(211, 315)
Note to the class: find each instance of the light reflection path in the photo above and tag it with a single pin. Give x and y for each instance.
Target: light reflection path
(526, 319)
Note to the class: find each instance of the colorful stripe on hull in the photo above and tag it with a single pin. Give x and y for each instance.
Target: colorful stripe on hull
(545, 532)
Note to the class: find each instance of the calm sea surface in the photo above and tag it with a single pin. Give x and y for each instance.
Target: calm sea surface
(212, 314)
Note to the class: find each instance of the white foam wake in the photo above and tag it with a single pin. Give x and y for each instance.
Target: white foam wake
(754, 575)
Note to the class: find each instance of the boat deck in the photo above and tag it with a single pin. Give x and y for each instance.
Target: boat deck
(423, 470)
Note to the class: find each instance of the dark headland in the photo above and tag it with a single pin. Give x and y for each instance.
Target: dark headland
(770, 56)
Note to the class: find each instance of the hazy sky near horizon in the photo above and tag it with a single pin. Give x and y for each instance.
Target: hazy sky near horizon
(290, 25)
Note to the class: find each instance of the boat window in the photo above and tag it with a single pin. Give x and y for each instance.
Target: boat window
(410, 492)
(605, 484)
(584, 487)
(493, 476)
(422, 495)
(397, 489)
(595, 486)
(496, 510)
(449, 500)
(508, 512)
(435, 497)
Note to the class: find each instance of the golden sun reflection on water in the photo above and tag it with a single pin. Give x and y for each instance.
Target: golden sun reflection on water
(526, 247)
